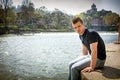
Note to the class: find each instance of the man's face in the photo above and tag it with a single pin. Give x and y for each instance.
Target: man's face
(79, 27)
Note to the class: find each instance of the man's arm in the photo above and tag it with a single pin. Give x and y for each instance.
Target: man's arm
(94, 52)
(84, 50)
(93, 48)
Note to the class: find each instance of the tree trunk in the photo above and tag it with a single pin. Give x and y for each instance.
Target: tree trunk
(118, 42)
(6, 15)
(119, 32)
(6, 25)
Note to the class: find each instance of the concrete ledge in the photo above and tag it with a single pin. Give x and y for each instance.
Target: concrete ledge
(111, 71)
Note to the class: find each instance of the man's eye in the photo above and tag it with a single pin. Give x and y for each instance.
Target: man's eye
(75, 27)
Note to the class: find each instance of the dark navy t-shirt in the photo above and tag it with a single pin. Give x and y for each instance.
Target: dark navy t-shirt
(90, 37)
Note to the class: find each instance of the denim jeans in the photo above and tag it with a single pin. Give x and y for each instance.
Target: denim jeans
(80, 63)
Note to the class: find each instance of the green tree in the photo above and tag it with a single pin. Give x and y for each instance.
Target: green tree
(7, 4)
(27, 13)
(55, 20)
(2, 17)
(11, 17)
(60, 20)
(31, 12)
(41, 16)
(119, 31)
(82, 16)
(111, 19)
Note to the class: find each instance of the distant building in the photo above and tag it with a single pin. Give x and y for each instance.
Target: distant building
(93, 9)
(96, 18)
(103, 12)
(95, 21)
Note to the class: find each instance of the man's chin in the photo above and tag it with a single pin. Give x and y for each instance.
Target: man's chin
(79, 33)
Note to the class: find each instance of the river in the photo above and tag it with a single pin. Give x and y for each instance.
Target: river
(43, 56)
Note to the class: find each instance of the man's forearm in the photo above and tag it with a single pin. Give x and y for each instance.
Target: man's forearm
(94, 53)
(93, 60)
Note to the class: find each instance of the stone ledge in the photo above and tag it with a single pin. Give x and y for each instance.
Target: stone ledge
(111, 71)
(107, 73)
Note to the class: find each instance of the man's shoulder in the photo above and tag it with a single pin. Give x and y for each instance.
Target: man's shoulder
(92, 32)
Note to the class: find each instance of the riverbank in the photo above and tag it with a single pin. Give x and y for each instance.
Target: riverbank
(22, 31)
(111, 71)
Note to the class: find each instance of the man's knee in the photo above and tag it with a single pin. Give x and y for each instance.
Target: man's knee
(75, 68)
(71, 63)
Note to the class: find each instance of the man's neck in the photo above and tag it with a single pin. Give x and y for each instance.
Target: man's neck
(83, 32)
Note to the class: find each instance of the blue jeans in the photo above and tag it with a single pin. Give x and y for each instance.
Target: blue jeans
(80, 63)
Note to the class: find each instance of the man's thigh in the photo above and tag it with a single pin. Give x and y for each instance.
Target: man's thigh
(82, 64)
(79, 59)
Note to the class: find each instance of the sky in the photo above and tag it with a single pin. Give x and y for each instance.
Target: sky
(75, 6)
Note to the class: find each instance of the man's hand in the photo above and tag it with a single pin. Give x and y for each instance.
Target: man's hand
(87, 69)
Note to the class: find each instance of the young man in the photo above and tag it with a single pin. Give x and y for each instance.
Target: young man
(94, 53)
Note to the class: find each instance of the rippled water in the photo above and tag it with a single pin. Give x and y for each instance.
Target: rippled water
(42, 56)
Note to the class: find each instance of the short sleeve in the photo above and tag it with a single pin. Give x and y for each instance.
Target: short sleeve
(93, 37)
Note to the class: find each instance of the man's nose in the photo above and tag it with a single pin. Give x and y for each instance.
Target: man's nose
(77, 28)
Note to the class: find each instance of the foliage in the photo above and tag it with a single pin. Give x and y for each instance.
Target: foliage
(111, 19)
(51, 20)
(41, 19)
(29, 18)
(100, 19)
(2, 16)
(11, 18)
(5, 11)
(27, 13)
